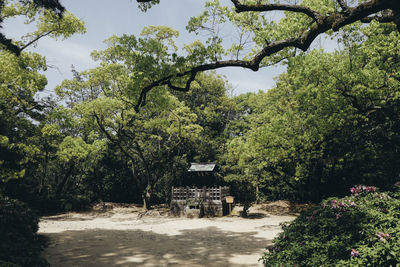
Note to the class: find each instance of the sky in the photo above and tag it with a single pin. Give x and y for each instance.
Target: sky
(104, 18)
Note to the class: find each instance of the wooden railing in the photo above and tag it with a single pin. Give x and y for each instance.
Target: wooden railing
(205, 194)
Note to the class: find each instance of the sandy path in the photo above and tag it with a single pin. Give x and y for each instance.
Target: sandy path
(122, 238)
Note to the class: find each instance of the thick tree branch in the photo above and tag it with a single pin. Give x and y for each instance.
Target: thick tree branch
(322, 23)
(361, 11)
(276, 7)
(380, 18)
(192, 72)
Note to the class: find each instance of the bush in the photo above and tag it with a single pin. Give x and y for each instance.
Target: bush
(64, 203)
(19, 243)
(359, 230)
(74, 203)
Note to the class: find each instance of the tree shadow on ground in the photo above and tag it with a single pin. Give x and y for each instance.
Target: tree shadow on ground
(209, 246)
(84, 215)
(256, 215)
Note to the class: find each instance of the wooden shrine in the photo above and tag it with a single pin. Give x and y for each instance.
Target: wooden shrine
(199, 196)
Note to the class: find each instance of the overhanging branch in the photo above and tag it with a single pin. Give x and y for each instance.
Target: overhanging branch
(364, 12)
(276, 7)
(35, 40)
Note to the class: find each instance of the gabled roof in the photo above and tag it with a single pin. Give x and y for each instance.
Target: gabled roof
(201, 167)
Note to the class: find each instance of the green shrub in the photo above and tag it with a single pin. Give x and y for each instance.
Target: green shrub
(19, 243)
(359, 230)
(74, 203)
(62, 204)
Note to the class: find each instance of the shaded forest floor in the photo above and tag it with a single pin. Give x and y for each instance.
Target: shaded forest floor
(122, 235)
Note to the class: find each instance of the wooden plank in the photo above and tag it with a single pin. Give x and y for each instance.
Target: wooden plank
(211, 193)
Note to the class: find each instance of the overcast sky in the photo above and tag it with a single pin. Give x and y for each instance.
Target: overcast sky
(104, 18)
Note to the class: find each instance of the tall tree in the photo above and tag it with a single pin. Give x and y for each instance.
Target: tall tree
(330, 122)
(153, 140)
(20, 79)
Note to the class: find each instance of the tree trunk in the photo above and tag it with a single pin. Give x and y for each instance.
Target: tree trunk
(61, 185)
(257, 193)
(147, 194)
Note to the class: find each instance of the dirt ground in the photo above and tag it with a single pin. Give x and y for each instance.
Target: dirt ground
(113, 235)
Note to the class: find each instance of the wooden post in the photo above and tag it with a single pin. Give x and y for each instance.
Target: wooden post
(204, 193)
(220, 193)
(172, 194)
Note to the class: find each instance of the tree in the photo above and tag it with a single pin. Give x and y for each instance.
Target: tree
(21, 77)
(272, 41)
(154, 141)
(331, 121)
(209, 100)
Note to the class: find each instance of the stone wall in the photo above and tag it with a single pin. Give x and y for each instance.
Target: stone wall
(191, 208)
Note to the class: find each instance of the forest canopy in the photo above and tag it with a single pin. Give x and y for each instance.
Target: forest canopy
(330, 116)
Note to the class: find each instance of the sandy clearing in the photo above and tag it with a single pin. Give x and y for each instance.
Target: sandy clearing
(122, 238)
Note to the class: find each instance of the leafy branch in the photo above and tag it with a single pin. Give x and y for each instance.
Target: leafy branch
(382, 11)
(53, 5)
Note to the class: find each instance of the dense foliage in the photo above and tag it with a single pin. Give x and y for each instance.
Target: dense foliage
(24, 155)
(19, 243)
(358, 230)
(331, 122)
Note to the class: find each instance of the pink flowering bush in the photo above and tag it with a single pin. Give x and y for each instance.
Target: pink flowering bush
(358, 230)
(359, 189)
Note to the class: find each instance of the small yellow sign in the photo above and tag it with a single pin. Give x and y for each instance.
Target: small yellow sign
(229, 199)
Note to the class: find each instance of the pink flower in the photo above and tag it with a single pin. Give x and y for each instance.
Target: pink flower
(360, 188)
(382, 236)
(354, 253)
(338, 216)
(370, 189)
